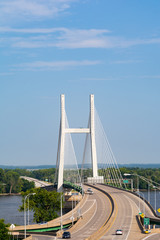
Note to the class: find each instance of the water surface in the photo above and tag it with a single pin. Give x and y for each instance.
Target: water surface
(9, 210)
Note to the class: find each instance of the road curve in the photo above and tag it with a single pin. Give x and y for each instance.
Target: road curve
(128, 207)
(154, 236)
(95, 209)
(38, 183)
(92, 221)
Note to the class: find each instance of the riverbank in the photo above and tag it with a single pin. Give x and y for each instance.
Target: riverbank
(10, 194)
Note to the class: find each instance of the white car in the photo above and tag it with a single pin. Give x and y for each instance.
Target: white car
(89, 191)
(119, 232)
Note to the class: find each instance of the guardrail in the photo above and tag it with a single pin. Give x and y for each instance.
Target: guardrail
(72, 185)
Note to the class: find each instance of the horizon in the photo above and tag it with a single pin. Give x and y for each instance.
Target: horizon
(132, 165)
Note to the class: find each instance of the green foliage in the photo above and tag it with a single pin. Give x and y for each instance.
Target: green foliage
(152, 174)
(3, 230)
(44, 174)
(10, 181)
(44, 204)
(26, 185)
(2, 184)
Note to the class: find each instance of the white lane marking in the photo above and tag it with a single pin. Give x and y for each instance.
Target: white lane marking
(131, 215)
(123, 226)
(94, 201)
(90, 218)
(74, 211)
(149, 236)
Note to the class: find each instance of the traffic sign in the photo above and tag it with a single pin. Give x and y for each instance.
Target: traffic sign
(158, 210)
(146, 221)
(142, 215)
(12, 226)
(125, 181)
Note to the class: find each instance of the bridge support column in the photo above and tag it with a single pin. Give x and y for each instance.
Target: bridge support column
(61, 143)
(93, 142)
(61, 147)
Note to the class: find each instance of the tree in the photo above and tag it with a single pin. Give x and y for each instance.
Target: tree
(26, 185)
(44, 204)
(13, 181)
(3, 230)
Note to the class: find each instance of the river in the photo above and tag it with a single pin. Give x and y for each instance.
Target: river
(9, 207)
(9, 210)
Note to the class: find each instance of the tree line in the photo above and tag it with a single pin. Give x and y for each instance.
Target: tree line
(152, 174)
(10, 181)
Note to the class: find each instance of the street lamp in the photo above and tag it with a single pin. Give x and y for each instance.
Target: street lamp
(143, 200)
(155, 207)
(148, 192)
(61, 212)
(133, 174)
(25, 211)
(72, 210)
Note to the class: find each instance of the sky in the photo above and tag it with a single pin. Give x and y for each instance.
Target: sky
(109, 48)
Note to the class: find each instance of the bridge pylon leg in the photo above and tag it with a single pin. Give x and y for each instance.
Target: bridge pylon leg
(61, 143)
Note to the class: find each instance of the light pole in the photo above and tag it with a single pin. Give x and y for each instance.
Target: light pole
(143, 201)
(25, 212)
(61, 212)
(148, 192)
(133, 174)
(72, 210)
(155, 207)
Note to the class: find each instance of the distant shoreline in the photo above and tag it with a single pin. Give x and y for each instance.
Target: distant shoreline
(38, 167)
(10, 194)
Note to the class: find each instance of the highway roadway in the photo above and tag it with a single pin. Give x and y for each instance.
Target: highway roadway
(154, 236)
(127, 207)
(96, 209)
(37, 182)
(40, 237)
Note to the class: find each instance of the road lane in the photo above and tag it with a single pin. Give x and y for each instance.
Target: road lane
(154, 236)
(91, 224)
(95, 210)
(128, 208)
(42, 237)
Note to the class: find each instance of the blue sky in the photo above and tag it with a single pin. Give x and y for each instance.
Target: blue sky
(109, 48)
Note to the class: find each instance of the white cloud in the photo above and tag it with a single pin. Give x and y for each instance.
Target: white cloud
(33, 8)
(55, 65)
(31, 30)
(65, 38)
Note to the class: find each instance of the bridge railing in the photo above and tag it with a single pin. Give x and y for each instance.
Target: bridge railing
(73, 186)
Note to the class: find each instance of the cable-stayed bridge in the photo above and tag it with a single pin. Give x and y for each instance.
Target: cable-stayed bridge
(110, 207)
(97, 155)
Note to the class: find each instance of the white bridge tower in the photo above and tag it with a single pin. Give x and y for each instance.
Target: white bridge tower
(61, 142)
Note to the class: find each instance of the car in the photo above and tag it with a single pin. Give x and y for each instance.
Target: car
(119, 232)
(43, 223)
(66, 234)
(89, 191)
